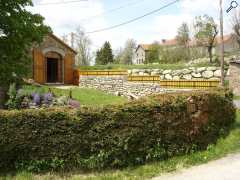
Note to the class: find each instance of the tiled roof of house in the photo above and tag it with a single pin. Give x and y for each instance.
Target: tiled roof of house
(192, 42)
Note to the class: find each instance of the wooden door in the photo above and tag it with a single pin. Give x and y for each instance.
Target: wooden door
(68, 68)
(38, 66)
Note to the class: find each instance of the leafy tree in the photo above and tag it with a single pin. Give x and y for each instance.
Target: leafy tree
(104, 55)
(153, 53)
(19, 29)
(206, 32)
(83, 43)
(183, 36)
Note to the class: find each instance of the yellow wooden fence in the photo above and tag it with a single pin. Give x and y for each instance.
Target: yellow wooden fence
(195, 83)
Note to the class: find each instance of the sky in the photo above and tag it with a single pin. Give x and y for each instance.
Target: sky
(97, 14)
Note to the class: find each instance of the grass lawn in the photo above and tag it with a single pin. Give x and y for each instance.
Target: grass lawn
(180, 65)
(85, 96)
(224, 146)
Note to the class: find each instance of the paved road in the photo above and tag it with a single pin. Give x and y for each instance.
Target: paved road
(227, 168)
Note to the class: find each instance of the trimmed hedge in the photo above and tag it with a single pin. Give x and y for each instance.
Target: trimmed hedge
(152, 128)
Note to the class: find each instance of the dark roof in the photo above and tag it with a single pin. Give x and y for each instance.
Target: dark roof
(62, 42)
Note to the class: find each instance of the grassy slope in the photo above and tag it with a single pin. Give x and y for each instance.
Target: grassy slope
(83, 95)
(144, 66)
(230, 144)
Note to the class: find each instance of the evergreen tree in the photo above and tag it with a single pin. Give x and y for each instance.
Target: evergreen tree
(105, 54)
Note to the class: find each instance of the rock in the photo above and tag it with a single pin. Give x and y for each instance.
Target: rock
(187, 76)
(228, 72)
(168, 77)
(201, 69)
(146, 74)
(167, 72)
(117, 93)
(176, 72)
(129, 71)
(135, 71)
(154, 73)
(196, 75)
(207, 74)
(186, 71)
(212, 68)
(176, 78)
(162, 77)
(217, 73)
(141, 73)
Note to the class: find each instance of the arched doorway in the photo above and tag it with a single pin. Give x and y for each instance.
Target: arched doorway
(53, 67)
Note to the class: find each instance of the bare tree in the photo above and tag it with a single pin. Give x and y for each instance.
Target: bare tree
(128, 52)
(236, 25)
(206, 32)
(183, 35)
(83, 47)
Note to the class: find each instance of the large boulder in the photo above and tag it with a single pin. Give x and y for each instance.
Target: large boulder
(176, 78)
(186, 71)
(167, 72)
(135, 71)
(196, 75)
(212, 68)
(201, 69)
(207, 74)
(217, 73)
(168, 77)
(187, 76)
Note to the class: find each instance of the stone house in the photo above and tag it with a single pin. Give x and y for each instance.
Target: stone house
(234, 77)
(140, 54)
(53, 61)
(230, 44)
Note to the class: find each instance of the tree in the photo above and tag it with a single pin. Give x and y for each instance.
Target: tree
(19, 29)
(236, 26)
(206, 32)
(183, 36)
(128, 52)
(153, 53)
(83, 44)
(104, 55)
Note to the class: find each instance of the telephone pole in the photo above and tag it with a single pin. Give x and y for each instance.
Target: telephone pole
(222, 45)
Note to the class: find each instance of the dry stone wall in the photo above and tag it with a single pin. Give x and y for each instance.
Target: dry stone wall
(118, 85)
(208, 73)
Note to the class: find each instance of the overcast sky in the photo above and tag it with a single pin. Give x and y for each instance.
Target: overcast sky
(96, 14)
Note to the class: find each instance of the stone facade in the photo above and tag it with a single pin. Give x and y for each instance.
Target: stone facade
(2, 97)
(208, 73)
(234, 77)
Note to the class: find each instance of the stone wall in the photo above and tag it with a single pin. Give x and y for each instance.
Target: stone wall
(118, 85)
(234, 77)
(211, 73)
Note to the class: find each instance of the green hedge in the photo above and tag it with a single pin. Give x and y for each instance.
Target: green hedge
(153, 128)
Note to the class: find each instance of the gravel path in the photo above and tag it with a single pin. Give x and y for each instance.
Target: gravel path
(227, 168)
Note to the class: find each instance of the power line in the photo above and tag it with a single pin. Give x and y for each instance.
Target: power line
(61, 2)
(113, 10)
(133, 20)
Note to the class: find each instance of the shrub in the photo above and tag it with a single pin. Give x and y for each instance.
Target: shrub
(152, 128)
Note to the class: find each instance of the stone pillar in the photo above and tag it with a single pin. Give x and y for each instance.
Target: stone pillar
(2, 97)
(234, 77)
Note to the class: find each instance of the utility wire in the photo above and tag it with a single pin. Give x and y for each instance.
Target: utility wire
(112, 10)
(60, 2)
(133, 20)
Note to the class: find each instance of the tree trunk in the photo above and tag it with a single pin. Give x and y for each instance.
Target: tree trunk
(210, 54)
(2, 97)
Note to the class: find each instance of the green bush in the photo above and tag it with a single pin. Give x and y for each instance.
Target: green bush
(152, 128)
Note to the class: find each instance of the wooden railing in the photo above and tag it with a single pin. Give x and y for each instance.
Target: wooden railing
(195, 83)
